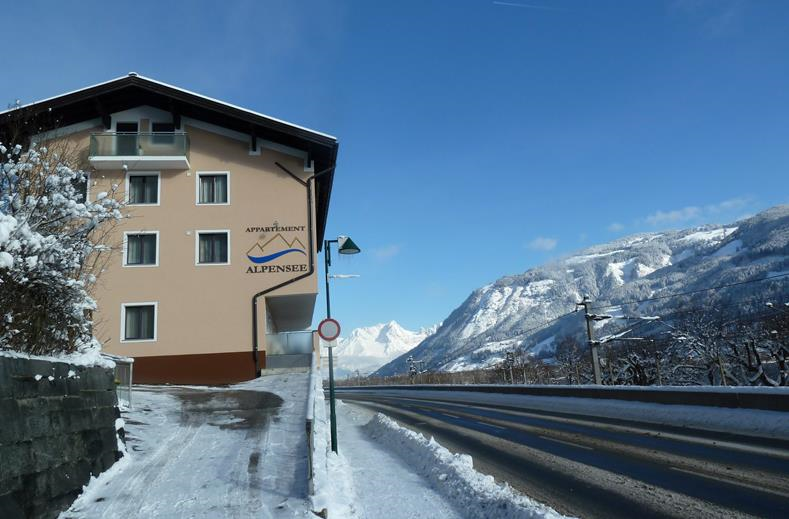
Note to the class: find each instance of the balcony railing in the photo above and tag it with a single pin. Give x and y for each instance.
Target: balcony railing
(289, 343)
(156, 150)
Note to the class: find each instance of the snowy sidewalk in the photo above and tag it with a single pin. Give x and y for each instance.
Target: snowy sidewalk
(385, 486)
(207, 452)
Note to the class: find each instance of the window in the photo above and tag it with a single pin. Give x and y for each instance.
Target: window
(212, 247)
(142, 249)
(81, 188)
(163, 133)
(212, 188)
(143, 188)
(138, 322)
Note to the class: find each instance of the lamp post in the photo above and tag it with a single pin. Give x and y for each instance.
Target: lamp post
(345, 245)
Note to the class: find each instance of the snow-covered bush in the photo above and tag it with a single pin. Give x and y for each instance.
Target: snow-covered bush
(50, 242)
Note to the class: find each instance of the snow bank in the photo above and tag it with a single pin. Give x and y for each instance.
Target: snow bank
(332, 477)
(88, 356)
(454, 476)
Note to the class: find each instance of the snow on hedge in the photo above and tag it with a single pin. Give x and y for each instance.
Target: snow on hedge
(51, 250)
(454, 476)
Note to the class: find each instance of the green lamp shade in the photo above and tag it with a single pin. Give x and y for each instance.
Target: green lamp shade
(347, 246)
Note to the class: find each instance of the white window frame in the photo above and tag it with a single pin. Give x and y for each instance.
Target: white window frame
(197, 187)
(158, 175)
(197, 246)
(155, 305)
(126, 248)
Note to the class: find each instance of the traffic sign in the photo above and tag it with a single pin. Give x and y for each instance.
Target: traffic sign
(329, 329)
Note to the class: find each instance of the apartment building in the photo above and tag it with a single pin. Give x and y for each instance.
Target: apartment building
(214, 279)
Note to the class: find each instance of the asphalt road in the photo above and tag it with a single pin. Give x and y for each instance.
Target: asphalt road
(604, 468)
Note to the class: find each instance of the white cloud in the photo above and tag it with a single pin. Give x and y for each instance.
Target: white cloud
(674, 216)
(728, 205)
(616, 227)
(543, 244)
(696, 213)
(387, 251)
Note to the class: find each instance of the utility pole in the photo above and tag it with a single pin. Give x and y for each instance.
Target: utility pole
(598, 377)
(509, 361)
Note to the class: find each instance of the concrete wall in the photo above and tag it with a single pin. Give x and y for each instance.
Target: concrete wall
(53, 434)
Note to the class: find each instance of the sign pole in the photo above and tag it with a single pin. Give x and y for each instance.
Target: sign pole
(332, 410)
(329, 330)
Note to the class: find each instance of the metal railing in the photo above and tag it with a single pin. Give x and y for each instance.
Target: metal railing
(124, 375)
(289, 343)
(153, 144)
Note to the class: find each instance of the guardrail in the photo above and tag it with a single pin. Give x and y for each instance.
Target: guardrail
(762, 398)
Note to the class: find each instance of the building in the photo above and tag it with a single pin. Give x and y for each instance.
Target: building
(215, 278)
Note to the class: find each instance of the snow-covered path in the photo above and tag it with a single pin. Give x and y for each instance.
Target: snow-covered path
(201, 452)
(385, 486)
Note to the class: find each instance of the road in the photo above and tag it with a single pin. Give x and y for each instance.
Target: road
(605, 468)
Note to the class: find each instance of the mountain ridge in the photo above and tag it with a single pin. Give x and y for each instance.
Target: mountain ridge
(368, 348)
(512, 312)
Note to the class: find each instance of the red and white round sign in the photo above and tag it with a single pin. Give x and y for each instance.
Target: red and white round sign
(329, 329)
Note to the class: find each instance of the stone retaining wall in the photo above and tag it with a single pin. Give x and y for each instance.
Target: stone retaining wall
(57, 428)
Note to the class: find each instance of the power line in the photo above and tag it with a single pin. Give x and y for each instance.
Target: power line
(690, 292)
(544, 324)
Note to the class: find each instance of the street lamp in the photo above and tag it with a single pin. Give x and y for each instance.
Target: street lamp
(345, 245)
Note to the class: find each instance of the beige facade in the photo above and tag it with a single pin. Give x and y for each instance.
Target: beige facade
(203, 311)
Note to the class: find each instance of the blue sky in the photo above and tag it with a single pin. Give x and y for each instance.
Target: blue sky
(477, 138)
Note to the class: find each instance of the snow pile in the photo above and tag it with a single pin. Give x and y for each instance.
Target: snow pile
(454, 476)
(332, 477)
(87, 355)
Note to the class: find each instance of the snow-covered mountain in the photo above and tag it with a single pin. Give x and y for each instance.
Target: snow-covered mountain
(512, 312)
(367, 349)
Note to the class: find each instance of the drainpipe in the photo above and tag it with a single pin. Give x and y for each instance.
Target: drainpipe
(310, 271)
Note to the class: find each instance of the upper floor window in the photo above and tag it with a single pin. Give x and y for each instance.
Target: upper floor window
(143, 188)
(212, 247)
(213, 187)
(142, 249)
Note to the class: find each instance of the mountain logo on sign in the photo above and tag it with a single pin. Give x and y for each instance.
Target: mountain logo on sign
(274, 248)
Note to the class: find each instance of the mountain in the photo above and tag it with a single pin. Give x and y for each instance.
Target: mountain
(367, 349)
(514, 312)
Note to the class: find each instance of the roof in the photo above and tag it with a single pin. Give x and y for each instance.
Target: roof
(133, 90)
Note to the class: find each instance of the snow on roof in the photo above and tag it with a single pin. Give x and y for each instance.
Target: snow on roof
(167, 85)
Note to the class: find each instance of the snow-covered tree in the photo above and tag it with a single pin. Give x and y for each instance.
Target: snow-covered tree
(51, 240)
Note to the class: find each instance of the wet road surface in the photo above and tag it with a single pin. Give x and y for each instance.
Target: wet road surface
(606, 468)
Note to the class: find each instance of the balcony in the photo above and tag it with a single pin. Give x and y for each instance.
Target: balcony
(139, 151)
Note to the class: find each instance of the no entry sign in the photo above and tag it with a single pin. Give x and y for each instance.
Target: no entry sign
(329, 329)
